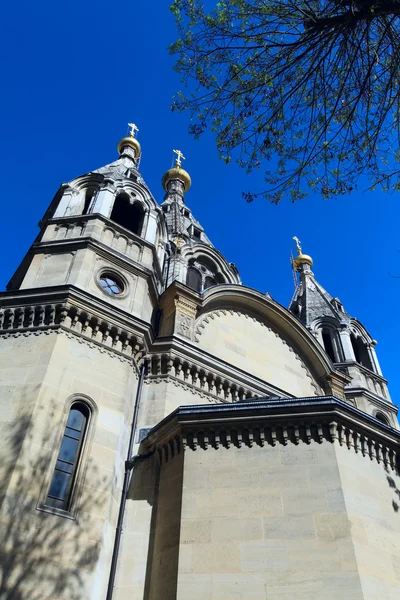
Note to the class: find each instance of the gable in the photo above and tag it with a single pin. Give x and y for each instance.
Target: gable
(251, 345)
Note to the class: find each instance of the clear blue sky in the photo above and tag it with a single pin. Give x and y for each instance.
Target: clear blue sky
(74, 74)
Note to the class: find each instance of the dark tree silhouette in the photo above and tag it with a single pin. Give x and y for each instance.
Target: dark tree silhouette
(306, 89)
(43, 556)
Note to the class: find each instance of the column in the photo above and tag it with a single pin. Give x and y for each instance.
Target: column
(105, 199)
(348, 352)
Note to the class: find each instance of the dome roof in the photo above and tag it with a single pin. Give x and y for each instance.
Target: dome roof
(177, 173)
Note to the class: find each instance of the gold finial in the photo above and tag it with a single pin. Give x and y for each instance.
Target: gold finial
(177, 173)
(134, 129)
(178, 161)
(298, 244)
(301, 258)
(131, 142)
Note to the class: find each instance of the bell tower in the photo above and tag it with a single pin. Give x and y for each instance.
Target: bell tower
(345, 340)
(76, 321)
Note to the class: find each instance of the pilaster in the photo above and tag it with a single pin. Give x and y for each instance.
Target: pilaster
(179, 305)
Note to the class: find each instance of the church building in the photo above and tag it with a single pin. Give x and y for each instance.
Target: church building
(168, 432)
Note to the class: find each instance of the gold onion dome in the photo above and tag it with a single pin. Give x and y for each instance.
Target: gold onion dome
(301, 258)
(177, 173)
(131, 142)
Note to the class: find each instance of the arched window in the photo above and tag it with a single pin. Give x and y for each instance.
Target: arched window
(381, 417)
(328, 345)
(62, 483)
(208, 282)
(128, 215)
(203, 274)
(361, 352)
(88, 198)
(331, 342)
(193, 279)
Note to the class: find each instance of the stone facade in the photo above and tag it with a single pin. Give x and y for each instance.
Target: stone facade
(265, 453)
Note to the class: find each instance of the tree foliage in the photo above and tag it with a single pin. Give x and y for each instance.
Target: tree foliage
(306, 89)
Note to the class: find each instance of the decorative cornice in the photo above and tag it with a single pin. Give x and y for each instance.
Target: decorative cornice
(211, 384)
(188, 354)
(268, 422)
(78, 314)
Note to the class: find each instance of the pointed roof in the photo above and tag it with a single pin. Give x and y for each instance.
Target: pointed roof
(311, 301)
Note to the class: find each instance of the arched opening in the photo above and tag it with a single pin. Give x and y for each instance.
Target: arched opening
(62, 483)
(361, 352)
(127, 215)
(209, 282)
(328, 344)
(88, 199)
(193, 279)
(381, 417)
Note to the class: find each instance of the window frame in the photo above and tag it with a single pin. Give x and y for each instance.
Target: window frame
(205, 273)
(117, 275)
(82, 463)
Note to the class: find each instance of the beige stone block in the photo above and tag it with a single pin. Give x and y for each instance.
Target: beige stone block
(317, 557)
(249, 458)
(300, 455)
(237, 529)
(289, 528)
(196, 531)
(332, 526)
(216, 558)
(195, 587)
(312, 589)
(235, 479)
(305, 501)
(275, 477)
(185, 558)
(238, 586)
(264, 556)
(374, 563)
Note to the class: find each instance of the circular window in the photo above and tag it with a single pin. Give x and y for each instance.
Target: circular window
(111, 285)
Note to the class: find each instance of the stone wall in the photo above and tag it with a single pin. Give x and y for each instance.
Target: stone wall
(247, 343)
(307, 520)
(48, 556)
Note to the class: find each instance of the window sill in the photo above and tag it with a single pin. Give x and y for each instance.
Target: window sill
(59, 512)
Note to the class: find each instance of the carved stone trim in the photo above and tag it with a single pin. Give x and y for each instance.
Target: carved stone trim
(45, 318)
(199, 380)
(193, 428)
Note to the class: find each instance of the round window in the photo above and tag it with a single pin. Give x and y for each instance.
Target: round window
(111, 285)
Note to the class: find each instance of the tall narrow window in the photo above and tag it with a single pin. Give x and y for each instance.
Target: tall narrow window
(193, 279)
(361, 352)
(88, 199)
(327, 339)
(62, 483)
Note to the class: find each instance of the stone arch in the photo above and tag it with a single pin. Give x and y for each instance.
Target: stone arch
(128, 213)
(261, 307)
(326, 330)
(212, 266)
(362, 344)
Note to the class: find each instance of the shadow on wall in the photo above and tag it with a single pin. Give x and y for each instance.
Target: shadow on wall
(44, 556)
(392, 484)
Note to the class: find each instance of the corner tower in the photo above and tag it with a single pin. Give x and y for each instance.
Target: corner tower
(193, 260)
(345, 340)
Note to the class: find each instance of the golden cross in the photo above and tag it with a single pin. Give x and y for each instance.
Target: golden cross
(179, 157)
(133, 130)
(298, 244)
